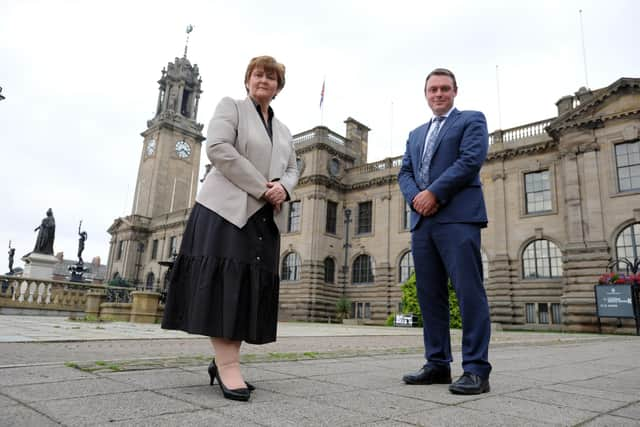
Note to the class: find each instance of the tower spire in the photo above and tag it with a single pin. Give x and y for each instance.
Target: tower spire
(186, 44)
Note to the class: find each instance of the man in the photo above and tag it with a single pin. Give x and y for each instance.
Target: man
(440, 180)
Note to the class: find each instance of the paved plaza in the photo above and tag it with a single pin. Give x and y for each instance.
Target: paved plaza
(54, 371)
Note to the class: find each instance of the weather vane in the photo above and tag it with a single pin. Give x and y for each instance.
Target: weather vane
(186, 44)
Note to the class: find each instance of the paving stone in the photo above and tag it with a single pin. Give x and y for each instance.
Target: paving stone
(200, 418)
(314, 368)
(602, 394)
(380, 404)
(624, 382)
(436, 393)
(631, 411)
(20, 416)
(302, 387)
(40, 374)
(297, 412)
(571, 400)
(160, 378)
(137, 405)
(252, 372)
(535, 411)
(66, 389)
(5, 401)
(386, 423)
(211, 396)
(366, 380)
(456, 416)
(610, 421)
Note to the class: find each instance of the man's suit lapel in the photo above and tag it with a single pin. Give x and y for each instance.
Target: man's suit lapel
(421, 136)
(451, 119)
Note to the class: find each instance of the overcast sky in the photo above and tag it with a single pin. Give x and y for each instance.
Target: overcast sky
(80, 81)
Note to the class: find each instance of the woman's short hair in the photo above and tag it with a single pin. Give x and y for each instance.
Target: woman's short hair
(269, 64)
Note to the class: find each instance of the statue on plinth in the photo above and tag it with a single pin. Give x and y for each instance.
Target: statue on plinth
(81, 240)
(46, 235)
(12, 252)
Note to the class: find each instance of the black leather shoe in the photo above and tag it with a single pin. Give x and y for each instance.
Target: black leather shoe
(470, 383)
(429, 375)
(212, 375)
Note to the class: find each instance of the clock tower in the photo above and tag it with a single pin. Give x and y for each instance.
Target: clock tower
(170, 157)
(167, 181)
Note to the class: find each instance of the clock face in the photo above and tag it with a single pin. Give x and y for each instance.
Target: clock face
(183, 149)
(151, 147)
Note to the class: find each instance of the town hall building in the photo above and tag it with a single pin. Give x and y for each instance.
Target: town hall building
(563, 200)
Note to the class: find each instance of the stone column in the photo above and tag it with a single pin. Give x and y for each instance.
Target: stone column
(586, 253)
(498, 285)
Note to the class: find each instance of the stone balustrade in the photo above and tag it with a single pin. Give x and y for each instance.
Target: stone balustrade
(381, 165)
(26, 294)
(319, 134)
(520, 133)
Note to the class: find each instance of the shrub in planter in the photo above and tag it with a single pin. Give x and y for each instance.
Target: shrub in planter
(410, 303)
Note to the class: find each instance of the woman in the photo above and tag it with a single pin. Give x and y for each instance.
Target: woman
(224, 282)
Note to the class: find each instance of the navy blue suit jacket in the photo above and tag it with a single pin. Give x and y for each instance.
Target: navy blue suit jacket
(459, 152)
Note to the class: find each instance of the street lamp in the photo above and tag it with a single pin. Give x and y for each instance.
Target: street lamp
(138, 263)
(345, 267)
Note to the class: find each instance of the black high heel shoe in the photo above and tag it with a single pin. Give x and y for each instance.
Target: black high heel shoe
(212, 375)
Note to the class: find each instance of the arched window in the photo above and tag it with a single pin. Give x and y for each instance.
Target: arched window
(628, 242)
(541, 259)
(291, 267)
(485, 266)
(362, 272)
(151, 278)
(329, 270)
(116, 275)
(406, 267)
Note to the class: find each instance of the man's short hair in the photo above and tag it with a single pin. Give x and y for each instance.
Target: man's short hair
(441, 72)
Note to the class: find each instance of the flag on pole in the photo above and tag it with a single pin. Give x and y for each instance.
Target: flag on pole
(322, 94)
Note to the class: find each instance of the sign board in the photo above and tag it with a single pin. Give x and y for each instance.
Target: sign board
(614, 301)
(405, 320)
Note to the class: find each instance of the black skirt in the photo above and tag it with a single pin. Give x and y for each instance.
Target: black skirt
(224, 282)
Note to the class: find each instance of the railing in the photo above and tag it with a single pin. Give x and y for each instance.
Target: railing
(519, 132)
(388, 163)
(24, 292)
(319, 134)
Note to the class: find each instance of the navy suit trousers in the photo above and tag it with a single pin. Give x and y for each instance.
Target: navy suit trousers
(440, 252)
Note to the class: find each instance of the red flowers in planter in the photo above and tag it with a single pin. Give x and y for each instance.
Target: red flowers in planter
(619, 279)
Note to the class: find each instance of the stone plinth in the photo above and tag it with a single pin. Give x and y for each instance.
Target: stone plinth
(39, 266)
(94, 299)
(144, 308)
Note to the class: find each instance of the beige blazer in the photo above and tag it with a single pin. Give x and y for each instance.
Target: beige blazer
(243, 161)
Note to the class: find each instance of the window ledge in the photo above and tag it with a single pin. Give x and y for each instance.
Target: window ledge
(537, 214)
(626, 193)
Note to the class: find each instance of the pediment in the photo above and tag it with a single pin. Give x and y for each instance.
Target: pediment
(618, 100)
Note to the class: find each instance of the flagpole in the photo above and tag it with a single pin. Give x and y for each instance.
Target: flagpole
(324, 79)
(584, 52)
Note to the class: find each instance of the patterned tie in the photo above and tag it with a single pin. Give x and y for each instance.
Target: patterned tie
(428, 152)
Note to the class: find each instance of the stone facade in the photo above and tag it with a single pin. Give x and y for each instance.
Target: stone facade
(583, 209)
(559, 197)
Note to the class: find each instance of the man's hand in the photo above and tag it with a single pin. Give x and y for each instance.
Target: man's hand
(276, 194)
(425, 203)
